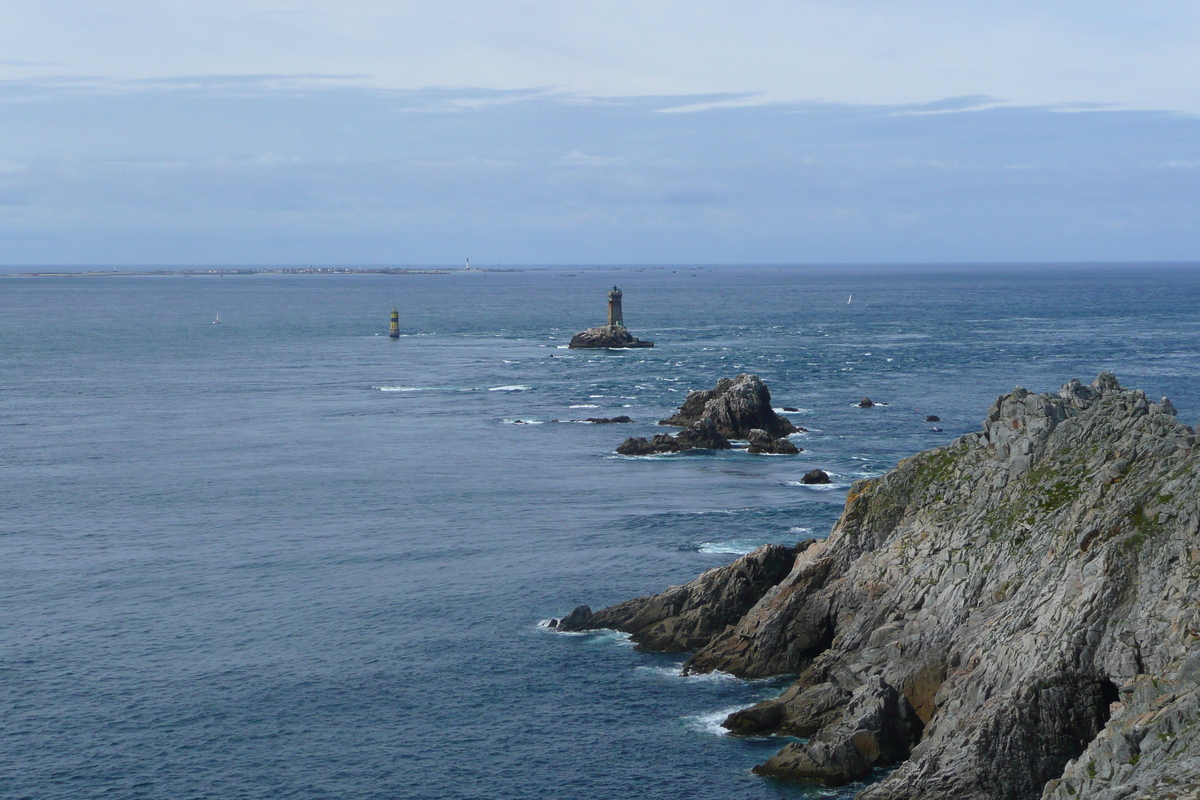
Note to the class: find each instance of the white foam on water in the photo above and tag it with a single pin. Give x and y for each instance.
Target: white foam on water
(675, 673)
(562, 347)
(584, 405)
(797, 411)
(737, 547)
(799, 529)
(516, 387)
(506, 361)
(516, 421)
(405, 388)
(818, 487)
(711, 722)
(596, 396)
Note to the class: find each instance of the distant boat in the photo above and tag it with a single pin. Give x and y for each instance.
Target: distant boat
(850, 300)
(218, 319)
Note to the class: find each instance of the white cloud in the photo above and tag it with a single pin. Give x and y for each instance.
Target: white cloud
(855, 51)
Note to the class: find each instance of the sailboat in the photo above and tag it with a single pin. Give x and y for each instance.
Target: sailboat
(850, 300)
(218, 319)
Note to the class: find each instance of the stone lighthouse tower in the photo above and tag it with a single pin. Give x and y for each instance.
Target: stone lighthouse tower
(615, 320)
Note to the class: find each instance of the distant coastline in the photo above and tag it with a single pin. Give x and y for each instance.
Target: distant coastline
(214, 272)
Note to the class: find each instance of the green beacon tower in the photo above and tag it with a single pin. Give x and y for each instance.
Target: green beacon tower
(395, 330)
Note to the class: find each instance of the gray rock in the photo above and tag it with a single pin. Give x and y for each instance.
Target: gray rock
(687, 617)
(736, 406)
(1008, 617)
(606, 336)
(763, 442)
(865, 403)
(701, 436)
(816, 476)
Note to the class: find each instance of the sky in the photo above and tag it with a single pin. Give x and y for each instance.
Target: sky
(587, 132)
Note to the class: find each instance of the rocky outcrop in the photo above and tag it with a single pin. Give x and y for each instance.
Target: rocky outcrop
(763, 442)
(816, 477)
(736, 406)
(701, 436)
(606, 336)
(1008, 617)
(687, 617)
(609, 420)
(865, 403)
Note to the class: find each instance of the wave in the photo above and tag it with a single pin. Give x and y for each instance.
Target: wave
(515, 421)
(516, 387)
(408, 388)
(710, 722)
(818, 487)
(584, 405)
(799, 529)
(676, 673)
(734, 547)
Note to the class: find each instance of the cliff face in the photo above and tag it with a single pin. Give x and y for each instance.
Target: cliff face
(1008, 617)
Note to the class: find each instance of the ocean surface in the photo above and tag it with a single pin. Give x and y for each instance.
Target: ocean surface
(284, 556)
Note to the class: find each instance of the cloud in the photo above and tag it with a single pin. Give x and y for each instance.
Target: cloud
(321, 168)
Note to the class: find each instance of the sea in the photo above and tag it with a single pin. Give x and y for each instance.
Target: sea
(286, 556)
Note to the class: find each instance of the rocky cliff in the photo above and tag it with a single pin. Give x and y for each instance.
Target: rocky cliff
(1008, 617)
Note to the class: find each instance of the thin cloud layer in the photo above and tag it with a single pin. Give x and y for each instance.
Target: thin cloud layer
(282, 169)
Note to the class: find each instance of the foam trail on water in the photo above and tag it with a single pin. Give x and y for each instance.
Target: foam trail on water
(516, 387)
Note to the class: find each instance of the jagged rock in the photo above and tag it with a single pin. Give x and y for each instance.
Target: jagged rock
(577, 620)
(613, 336)
(736, 406)
(933, 418)
(702, 436)
(1010, 616)
(816, 476)
(865, 403)
(608, 420)
(686, 617)
(763, 442)
(877, 728)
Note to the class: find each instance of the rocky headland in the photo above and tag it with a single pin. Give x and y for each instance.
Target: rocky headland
(737, 408)
(1009, 617)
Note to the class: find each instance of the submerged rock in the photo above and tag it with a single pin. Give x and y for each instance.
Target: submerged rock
(1009, 617)
(702, 436)
(736, 406)
(687, 617)
(763, 442)
(816, 476)
(610, 336)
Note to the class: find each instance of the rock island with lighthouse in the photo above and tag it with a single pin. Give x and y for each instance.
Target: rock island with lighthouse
(614, 334)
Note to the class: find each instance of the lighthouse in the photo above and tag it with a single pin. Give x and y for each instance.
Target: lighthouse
(395, 330)
(615, 320)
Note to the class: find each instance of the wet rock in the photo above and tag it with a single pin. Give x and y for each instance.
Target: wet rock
(763, 442)
(686, 617)
(702, 436)
(816, 476)
(736, 406)
(791, 409)
(933, 418)
(609, 420)
(606, 336)
(865, 403)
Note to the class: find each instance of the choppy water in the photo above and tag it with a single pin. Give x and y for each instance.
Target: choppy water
(287, 557)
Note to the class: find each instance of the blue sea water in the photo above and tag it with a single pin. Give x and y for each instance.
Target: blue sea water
(284, 556)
